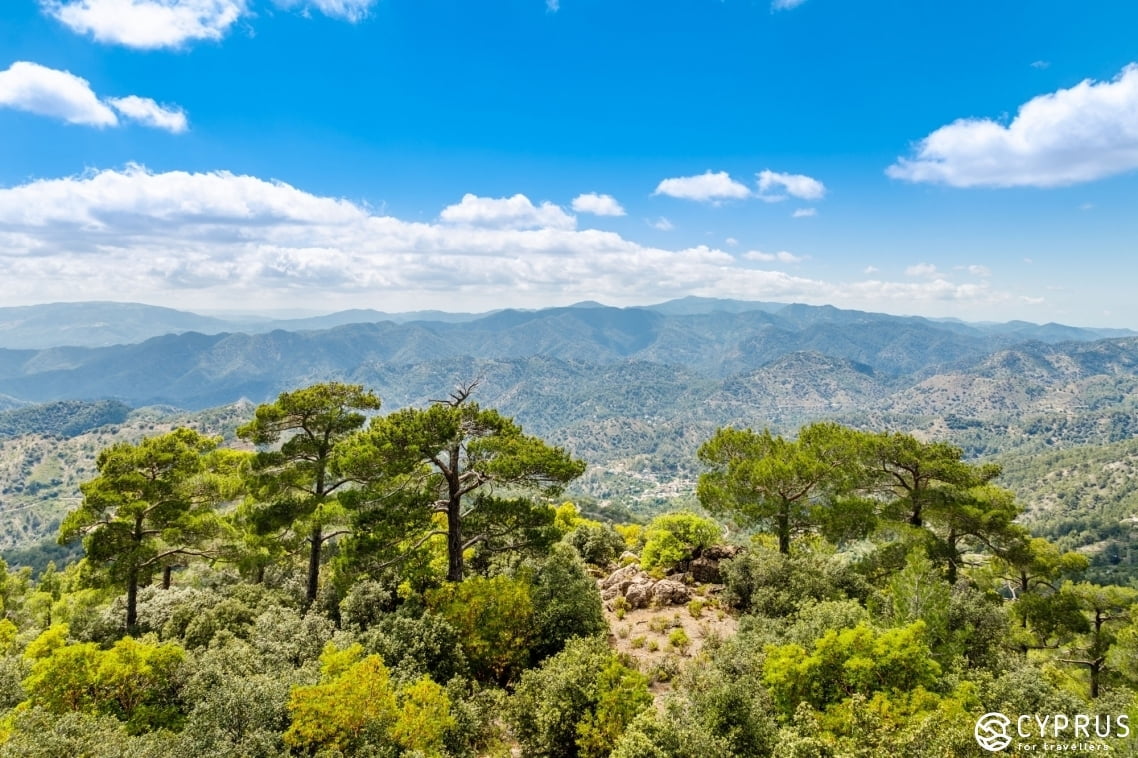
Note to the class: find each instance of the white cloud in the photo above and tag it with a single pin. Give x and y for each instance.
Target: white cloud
(662, 224)
(871, 270)
(785, 5)
(977, 270)
(599, 205)
(782, 257)
(774, 186)
(704, 187)
(804, 213)
(146, 111)
(147, 24)
(60, 94)
(731, 241)
(1074, 135)
(553, 5)
(515, 212)
(1040, 64)
(57, 94)
(348, 10)
(212, 240)
(925, 270)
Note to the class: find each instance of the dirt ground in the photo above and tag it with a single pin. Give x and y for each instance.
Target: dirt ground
(652, 636)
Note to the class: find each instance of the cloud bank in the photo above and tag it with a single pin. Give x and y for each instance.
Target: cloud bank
(221, 240)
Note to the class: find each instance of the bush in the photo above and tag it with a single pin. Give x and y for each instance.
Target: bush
(675, 537)
(598, 544)
(566, 602)
(577, 704)
(494, 619)
(766, 582)
(416, 646)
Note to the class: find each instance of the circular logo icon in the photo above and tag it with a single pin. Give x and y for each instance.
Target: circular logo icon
(992, 732)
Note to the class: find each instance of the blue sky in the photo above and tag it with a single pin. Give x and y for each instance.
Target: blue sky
(968, 159)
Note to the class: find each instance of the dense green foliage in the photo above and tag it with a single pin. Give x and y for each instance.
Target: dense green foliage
(882, 595)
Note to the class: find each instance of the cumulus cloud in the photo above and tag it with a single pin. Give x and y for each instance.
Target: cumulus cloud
(706, 187)
(515, 212)
(1074, 135)
(146, 111)
(662, 224)
(978, 270)
(60, 94)
(147, 24)
(348, 10)
(57, 94)
(785, 5)
(774, 186)
(216, 239)
(782, 257)
(598, 205)
(804, 213)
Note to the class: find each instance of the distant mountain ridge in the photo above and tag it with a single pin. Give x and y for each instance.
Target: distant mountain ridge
(103, 324)
(714, 339)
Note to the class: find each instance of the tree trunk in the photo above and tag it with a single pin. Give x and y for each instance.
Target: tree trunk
(317, 541)
(953, 558)
(455, 568)
(132, 601)
(915, 518)
(784, 529)
(167, 571)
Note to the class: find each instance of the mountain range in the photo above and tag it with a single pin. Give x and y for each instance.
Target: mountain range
(633, 391)
(200, 361)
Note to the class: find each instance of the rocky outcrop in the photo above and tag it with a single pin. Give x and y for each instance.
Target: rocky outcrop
(704, 568)
(670, 592)
(640, 590)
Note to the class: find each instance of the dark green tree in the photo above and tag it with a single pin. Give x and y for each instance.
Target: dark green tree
(1104, 609)
(152, 502)
(296, 484)
(470, 467)
(914, 476)
(766, 481)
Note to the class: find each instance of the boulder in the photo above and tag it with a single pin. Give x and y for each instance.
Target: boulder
(639, 593)
(670, 592)
(622, 577)
(705, 571)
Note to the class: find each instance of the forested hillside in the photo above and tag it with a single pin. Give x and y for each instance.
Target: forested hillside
(335, 575)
